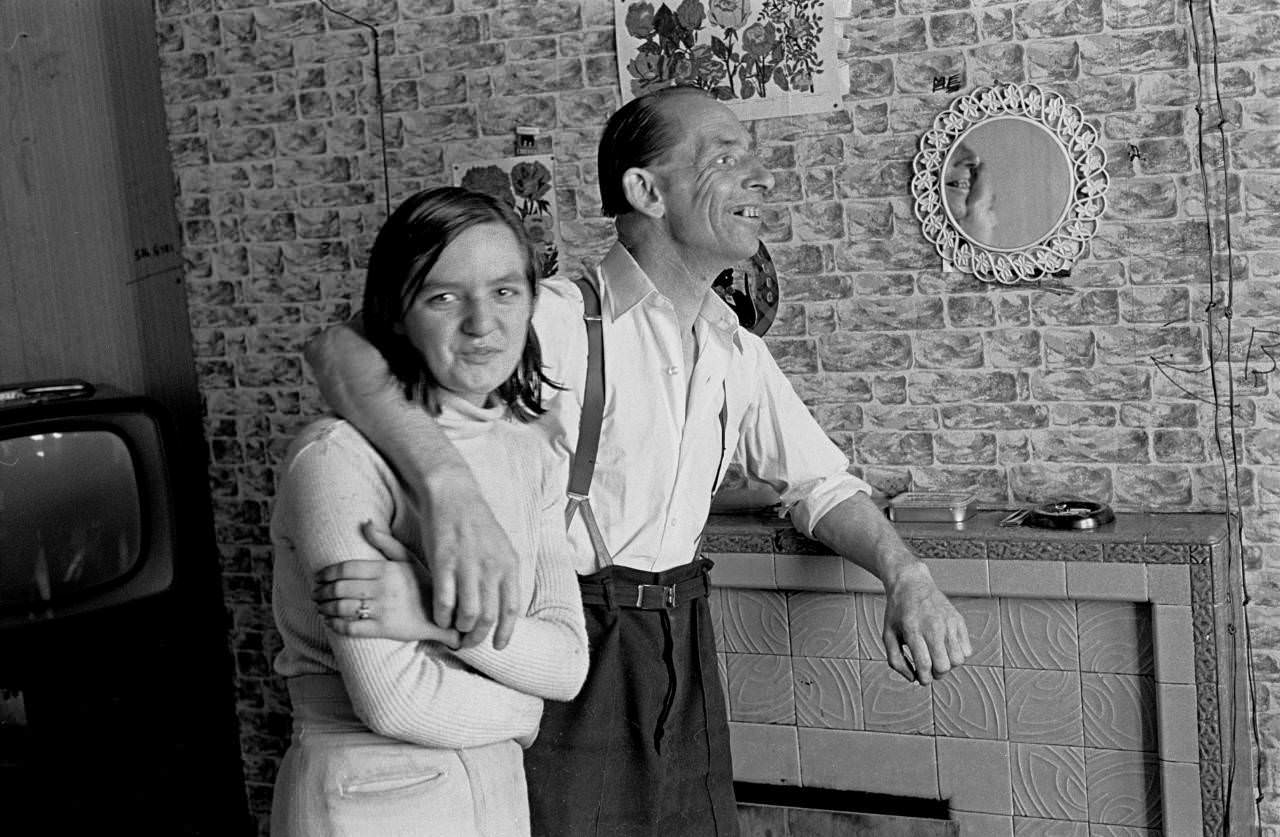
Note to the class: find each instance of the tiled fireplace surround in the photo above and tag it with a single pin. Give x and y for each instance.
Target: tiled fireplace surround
(1097, 702)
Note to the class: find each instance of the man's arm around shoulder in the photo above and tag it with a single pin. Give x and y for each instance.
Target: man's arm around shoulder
(472, 561)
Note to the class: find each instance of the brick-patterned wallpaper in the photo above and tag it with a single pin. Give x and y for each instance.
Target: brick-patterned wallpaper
(926, 378)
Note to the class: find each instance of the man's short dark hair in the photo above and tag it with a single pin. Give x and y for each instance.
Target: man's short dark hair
(635, 136)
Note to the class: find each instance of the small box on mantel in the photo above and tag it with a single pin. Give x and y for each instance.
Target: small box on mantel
(932, 507)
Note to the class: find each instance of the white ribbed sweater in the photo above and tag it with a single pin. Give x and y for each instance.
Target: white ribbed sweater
(421, 692)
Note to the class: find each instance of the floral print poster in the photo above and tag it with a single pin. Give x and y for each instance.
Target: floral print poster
(525, 184)
(760, 57)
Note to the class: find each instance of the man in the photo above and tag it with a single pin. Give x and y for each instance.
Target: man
(643, 750)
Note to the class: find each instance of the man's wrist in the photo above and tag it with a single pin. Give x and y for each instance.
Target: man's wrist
(444, 477)
(904, 567)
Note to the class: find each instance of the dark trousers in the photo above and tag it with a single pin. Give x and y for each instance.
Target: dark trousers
(643, 751)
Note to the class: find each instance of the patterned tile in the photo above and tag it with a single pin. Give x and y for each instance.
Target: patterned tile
(1039, 633)
(870, 613)
(1124, 788)
(760, 688)
(1044, 706)
(715, 603)
(1115, 637)
(982, 618)
(828, 692)
(1036, 827)
(755, 622)
(1190, 828)
(891, 704)
(970, 703)
(1048, 781)
(823, 625)
(1119, 711)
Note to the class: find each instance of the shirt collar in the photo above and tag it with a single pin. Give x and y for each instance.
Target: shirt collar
(628, 286)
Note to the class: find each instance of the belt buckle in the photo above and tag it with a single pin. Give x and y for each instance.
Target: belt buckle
(655, 597)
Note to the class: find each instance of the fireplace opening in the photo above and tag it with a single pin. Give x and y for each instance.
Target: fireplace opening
(780, 810)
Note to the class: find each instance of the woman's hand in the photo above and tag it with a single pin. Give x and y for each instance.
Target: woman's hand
(379, 598)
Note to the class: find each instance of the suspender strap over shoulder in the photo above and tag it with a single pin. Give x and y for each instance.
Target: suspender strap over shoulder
(584, 457)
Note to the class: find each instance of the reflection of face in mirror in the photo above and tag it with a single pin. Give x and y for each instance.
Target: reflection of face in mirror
(1007, 183)
(968, 193)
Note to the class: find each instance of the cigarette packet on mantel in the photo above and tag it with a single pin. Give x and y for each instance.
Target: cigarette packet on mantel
(932, 507)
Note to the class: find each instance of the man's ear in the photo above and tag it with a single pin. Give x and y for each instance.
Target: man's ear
(641, 188)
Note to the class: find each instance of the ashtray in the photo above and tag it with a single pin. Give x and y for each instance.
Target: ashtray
(1062, 514)
(932, 507)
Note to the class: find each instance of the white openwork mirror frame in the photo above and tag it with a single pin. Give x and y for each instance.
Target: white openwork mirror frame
(1057, 251)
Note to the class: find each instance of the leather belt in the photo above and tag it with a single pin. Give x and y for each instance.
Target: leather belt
(613, 593)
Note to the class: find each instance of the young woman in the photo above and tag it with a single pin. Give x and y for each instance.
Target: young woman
(415, 735)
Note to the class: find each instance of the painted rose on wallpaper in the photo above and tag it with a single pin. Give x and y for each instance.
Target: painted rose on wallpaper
(525, 184)
(491, 180)
(726, 47)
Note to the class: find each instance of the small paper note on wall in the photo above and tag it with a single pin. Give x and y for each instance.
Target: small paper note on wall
(526, 184)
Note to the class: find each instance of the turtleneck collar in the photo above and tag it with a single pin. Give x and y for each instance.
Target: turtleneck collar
(460, 418)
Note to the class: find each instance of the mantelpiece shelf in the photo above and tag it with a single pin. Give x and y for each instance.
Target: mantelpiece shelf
(1174, 571)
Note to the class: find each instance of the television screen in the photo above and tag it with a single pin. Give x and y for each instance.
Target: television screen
(79, 492)
(86, 514)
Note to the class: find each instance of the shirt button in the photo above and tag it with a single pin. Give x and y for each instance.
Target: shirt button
(672, 370)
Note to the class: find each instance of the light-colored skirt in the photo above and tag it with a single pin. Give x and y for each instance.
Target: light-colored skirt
(338, 779)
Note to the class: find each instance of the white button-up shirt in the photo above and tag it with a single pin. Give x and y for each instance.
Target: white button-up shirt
(663, 450)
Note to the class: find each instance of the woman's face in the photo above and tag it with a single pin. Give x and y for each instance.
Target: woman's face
(470, 319)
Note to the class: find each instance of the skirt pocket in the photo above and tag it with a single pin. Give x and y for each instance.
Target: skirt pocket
(391, 789)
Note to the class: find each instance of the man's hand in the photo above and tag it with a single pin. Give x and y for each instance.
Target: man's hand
(470, 595)
(921, 620)
(379, 598)
(473, 565)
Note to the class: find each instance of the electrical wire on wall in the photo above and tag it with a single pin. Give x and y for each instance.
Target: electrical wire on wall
(377, 88)
(1220, 304)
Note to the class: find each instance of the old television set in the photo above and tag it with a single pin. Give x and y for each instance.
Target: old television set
(117, 703)
(88, 516)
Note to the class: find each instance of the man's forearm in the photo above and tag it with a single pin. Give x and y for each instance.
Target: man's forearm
(355, 382)
(858, 531)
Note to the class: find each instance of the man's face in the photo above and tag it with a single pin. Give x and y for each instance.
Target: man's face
(962, 171)
(712, 183)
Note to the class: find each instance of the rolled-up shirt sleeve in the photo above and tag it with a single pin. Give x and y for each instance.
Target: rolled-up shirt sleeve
(781, 444)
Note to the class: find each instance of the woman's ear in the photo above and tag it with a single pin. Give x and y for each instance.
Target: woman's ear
(643, 192)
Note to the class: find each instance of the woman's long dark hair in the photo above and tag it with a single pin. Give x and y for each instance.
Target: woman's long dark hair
(407, 247)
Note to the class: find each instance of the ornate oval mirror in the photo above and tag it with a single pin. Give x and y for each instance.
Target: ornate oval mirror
(1010, 183)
